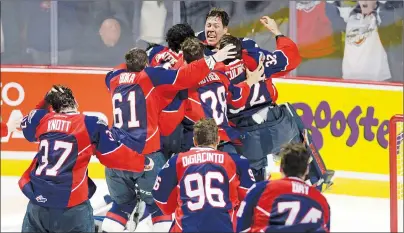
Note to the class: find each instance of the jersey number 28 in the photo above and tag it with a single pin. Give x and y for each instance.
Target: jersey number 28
(217, 98)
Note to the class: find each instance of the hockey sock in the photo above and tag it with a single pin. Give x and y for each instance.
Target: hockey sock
(117, 217)
(161, 222)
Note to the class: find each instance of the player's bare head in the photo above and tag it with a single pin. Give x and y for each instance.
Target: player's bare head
(206, 133)
(216, 24)
(229, 39)
(61, 98)
(177, 34)
(294, 160)
(192, 49)
(136, 60)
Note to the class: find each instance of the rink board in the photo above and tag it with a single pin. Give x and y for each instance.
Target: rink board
(360, 185)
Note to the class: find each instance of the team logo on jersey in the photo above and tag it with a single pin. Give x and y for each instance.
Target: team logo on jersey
(31, 115)
(166, 165)
(102, 122)
(41, 199)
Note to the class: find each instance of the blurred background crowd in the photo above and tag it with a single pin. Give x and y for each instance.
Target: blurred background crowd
(361, 40)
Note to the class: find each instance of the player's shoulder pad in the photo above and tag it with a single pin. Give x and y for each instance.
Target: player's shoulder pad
(200, 35)
(30, 122)
(251, 51)
(247, 43)
(171, 163)
(257, 189)
(160, 76)
(112, 74)
(239, 159)
(36, 114)
(153, 51)
(94, 123)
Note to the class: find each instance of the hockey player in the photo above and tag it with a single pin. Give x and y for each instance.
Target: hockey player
(213, 94)
(57, 182)
(171, 57)
(139, 94)
(159, 55)
(216, 26)
(267, 125)
(288, 204)
(203, 186)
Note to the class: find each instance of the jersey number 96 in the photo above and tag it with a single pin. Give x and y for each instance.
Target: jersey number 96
(203, 191)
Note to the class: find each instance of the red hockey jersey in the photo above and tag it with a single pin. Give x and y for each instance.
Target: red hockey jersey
(285, 205)
(202, 186)
(139, 98)
(58, 176)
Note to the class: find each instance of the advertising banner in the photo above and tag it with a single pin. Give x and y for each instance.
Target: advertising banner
(21, 91)
(349, 122)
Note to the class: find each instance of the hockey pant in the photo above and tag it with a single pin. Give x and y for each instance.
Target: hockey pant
(125, 186)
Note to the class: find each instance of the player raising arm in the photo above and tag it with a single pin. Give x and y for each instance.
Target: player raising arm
(288, 204)
(278, 124)
(57, 182)
(203, 186)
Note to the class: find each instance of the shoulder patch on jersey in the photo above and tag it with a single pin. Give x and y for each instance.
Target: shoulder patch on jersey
(197, 33)
(101, 122)
(166, 165)
(251, 188)
(31, 115)
(242, 157)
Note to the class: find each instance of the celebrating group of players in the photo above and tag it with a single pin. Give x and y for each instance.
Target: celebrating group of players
(193, 125)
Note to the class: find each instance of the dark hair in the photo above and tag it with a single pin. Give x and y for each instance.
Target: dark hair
(294, 159)
(136, 60)
(177, 34)
(206, 132)
(222, 14)
(228, 39)
(192, 49)
(61, 99)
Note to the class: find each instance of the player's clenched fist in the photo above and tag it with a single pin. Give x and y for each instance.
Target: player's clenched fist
(271, 25)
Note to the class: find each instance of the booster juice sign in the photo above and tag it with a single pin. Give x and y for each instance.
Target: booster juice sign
(339, 122)
(349, 123)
